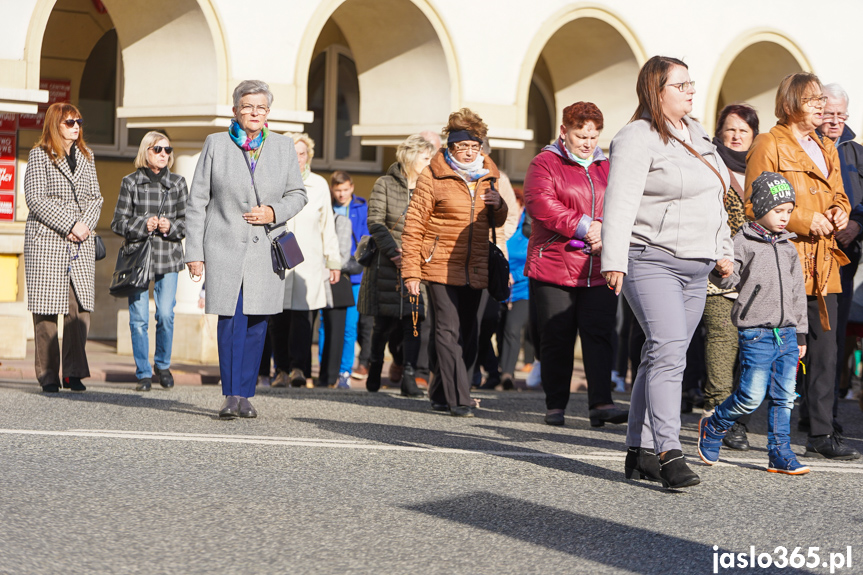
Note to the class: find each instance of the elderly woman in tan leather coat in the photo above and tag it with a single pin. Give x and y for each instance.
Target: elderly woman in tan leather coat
(445, 242)
(810, 163)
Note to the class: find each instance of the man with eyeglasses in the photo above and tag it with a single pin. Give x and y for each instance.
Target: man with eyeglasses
(835, 115)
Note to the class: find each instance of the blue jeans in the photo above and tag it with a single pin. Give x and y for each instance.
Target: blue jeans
(164, 292)
(768, 368)
(351, 321)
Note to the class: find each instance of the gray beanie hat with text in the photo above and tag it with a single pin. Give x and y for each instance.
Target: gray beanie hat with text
(768, 191)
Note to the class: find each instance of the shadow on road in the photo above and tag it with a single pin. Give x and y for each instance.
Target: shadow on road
(620, 546)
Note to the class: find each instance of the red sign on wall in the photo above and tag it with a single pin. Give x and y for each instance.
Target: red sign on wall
(8, 122)
(7, 206)
(7, 177)
(58, 91)
(8, 149)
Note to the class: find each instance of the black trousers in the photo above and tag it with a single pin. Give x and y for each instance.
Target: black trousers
(399, 334)
(564, 313)
(291, 339)
(514, 320)
(455, 341)
(487, 318)
(427, 360)
(819, 382)
(334, 343)
(364, 338)
(265, 368)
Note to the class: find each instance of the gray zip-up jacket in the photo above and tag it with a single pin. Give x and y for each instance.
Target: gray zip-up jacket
(770, 281)
(662, 195)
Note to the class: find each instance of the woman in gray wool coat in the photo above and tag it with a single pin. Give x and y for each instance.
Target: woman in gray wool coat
(225, 229)
(382, 292)
(62, 194)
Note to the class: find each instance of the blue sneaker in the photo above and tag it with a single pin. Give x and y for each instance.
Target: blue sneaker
(344, 380)
(709, 440)
(783, 460)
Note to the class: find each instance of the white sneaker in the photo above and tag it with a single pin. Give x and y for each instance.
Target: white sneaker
(344, 380)
(534, 379)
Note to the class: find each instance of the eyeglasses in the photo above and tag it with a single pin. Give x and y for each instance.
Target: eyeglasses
(158, 149)
(71, 123)
(248, 108)
(834, 118)
(682, 86)
(815, 100)
(460, 147)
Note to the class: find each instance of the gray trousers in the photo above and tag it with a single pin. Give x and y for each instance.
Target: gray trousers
(667, 298)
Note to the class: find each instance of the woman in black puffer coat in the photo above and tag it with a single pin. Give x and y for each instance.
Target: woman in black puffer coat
(382, 292)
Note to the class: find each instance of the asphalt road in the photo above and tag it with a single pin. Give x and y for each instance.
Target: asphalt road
(113, 481)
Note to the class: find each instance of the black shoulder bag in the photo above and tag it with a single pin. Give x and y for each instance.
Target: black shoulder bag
(498, 266)
(132, 270)
(284, 249)
(367, 247)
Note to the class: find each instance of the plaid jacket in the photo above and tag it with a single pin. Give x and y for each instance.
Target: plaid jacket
(50, 260)
(139, 200)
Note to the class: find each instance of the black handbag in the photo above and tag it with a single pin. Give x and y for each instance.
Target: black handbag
(498, 266)
(101, 252)
(367, 247)
(285, 251)
(366, 250)
(132, 270)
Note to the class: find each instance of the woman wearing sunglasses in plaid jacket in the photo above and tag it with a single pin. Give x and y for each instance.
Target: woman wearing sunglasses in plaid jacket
(152, 203)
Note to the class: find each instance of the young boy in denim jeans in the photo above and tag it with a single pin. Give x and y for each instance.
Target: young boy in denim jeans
(770, 314)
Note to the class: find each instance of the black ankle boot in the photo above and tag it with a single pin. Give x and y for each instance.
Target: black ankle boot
(373, 383)
(409, 382)
(674, 472)
(641, 464)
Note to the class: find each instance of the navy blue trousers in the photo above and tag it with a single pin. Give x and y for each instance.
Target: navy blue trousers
(241, 342)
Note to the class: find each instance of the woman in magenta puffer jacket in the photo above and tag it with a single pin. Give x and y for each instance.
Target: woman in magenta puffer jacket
(563, 191)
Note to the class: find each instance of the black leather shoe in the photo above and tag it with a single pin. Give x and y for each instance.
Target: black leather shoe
(735, 437)
(828, 447)
(166, 380)
(641, 464)
(73, 383)
(439, 406)
(373, 382)
(51, 388)
(461, 411)
(231, 407)
(409, 383)
(508, 382)
(599, 417)
(674, 472)
(245, 408)
(555, 418)
(144, 384)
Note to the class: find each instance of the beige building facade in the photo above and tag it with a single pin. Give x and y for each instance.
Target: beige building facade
(361, 75)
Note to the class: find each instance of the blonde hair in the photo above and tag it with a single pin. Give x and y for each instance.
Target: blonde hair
(304, 138)
(407, 152)
(148, 141)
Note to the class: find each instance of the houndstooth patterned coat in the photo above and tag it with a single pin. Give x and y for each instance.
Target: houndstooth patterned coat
(50, 260)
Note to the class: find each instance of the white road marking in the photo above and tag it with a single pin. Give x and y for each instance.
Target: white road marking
(612, 456)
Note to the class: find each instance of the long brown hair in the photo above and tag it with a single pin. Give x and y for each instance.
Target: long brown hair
(51, 141)
(651, 82)
(789, 96)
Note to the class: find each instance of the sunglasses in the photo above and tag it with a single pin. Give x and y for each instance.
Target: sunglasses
(71, 123)
(158, 149)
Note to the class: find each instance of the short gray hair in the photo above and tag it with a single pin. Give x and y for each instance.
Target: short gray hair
(836, 91)
(247, 87)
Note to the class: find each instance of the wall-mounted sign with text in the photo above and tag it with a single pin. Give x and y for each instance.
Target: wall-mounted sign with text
(58, 91)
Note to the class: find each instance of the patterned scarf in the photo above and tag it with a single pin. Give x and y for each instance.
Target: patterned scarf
(246, 143)
(771, 237)
(468, 172)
